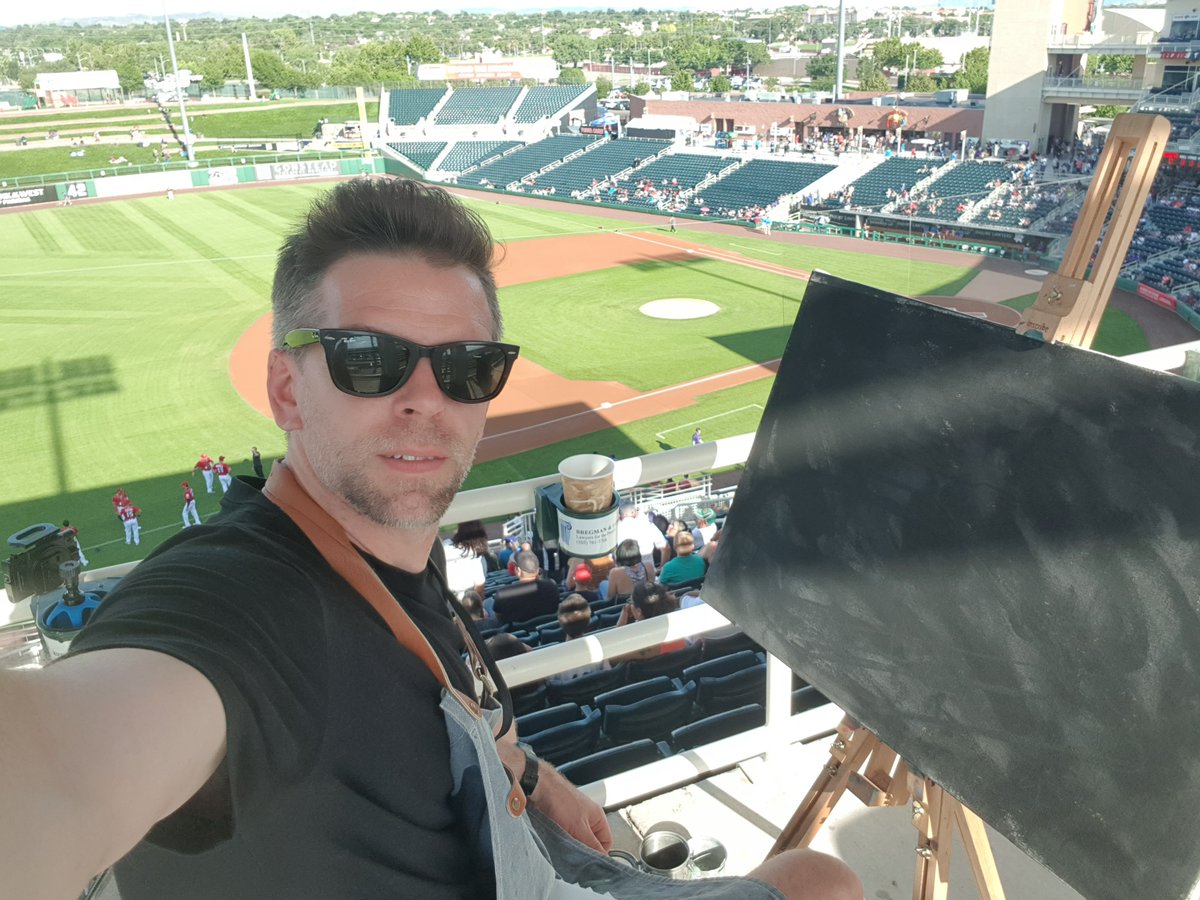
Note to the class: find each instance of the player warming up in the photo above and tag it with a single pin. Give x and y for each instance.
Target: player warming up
(189, 506)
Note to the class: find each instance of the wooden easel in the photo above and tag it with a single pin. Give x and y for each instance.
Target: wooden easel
(873, 772)
(1067, 310)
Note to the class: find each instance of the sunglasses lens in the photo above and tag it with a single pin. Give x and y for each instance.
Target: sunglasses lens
(369, 364)
(472, 373)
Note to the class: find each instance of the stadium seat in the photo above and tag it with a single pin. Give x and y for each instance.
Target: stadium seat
(528, 698)
(717, 694)
(669, 664)
(612, 761)
(570, 740)
(560, 714)
(722, 665)
(717, 727)
(636, 691)
(653, 717)
(807, 698)
(726, 644)
(585, 688)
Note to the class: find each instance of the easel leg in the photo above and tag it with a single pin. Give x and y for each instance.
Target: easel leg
(850, 749)
(979, 853)
(933, 815)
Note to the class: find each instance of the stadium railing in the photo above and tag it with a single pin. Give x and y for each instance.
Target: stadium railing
(781, 726)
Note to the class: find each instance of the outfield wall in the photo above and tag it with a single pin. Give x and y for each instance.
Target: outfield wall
(184, 179)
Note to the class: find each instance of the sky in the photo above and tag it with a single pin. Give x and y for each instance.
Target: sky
(15, 13)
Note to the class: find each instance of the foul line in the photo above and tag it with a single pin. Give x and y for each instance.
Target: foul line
(634, 399)
(729, 412)
(770, 252)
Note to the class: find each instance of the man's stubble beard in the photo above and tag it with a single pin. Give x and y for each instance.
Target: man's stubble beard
(380, 505)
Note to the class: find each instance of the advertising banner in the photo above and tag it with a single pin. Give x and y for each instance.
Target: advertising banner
(1156, 296)
(301, 168)
(27, 196)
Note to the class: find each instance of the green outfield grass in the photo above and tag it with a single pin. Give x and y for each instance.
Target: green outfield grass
(119, 317)
(149, 114)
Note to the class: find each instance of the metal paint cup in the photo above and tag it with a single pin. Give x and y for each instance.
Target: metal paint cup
(708, 857)
(666, 853)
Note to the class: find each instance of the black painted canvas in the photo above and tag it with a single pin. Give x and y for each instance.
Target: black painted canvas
(987, 550)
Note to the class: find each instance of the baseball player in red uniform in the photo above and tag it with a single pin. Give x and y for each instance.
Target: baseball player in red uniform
(120, 498)
(189, 506)
(224, 474)
(205, 465)
(133, 531)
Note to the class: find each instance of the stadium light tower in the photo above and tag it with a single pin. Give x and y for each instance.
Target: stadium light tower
(179, 92)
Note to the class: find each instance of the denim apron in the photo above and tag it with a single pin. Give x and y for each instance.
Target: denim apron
(532, 858)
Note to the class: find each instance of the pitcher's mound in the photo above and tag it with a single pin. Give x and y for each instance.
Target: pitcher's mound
(679, 308)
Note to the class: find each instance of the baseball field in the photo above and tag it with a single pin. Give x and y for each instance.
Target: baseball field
(134, 336)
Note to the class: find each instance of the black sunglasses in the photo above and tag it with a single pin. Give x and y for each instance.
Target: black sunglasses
(369, 364)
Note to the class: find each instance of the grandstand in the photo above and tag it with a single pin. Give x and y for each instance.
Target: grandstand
(466, 155)
(599, 164)
(528, 160)
(955, 185)
(410, 106)
(542, 102)
(759, 183)
(477, 106)
(420, 153)
(670, 174)
(869, 191)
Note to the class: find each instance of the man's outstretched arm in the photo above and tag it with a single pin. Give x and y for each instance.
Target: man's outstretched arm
(94, 750)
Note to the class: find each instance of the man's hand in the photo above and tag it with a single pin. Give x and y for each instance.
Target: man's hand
(557, 799)
(573, 812)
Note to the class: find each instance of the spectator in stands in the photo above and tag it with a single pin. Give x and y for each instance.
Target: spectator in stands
(686, 566)
(466, 554)
(705, 527)
(504, 645)
(531, 596)
(648, 602)
(575, 617)
(472, 602)
(506, 553)
(631, 570)
(633, 526)
(585, 576)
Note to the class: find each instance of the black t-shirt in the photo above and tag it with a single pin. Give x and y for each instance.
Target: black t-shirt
(336, 782)
(526, 600)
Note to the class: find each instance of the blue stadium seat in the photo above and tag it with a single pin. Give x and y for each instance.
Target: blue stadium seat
(717, 694)
(560, 714)
(585, 688)
(636, 691)
(528, 698)
(612, 761)
(724, 645)
(669, 664)
(722, 665)
(807, 698)
(717, 727)
(570, 740)
(653, 717)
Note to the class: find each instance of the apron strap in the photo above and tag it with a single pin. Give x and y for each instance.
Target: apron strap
(331, 541)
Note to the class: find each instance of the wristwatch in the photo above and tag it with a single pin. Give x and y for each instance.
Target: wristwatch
(529, 778)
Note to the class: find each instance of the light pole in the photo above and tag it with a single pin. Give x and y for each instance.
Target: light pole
(180, 92)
